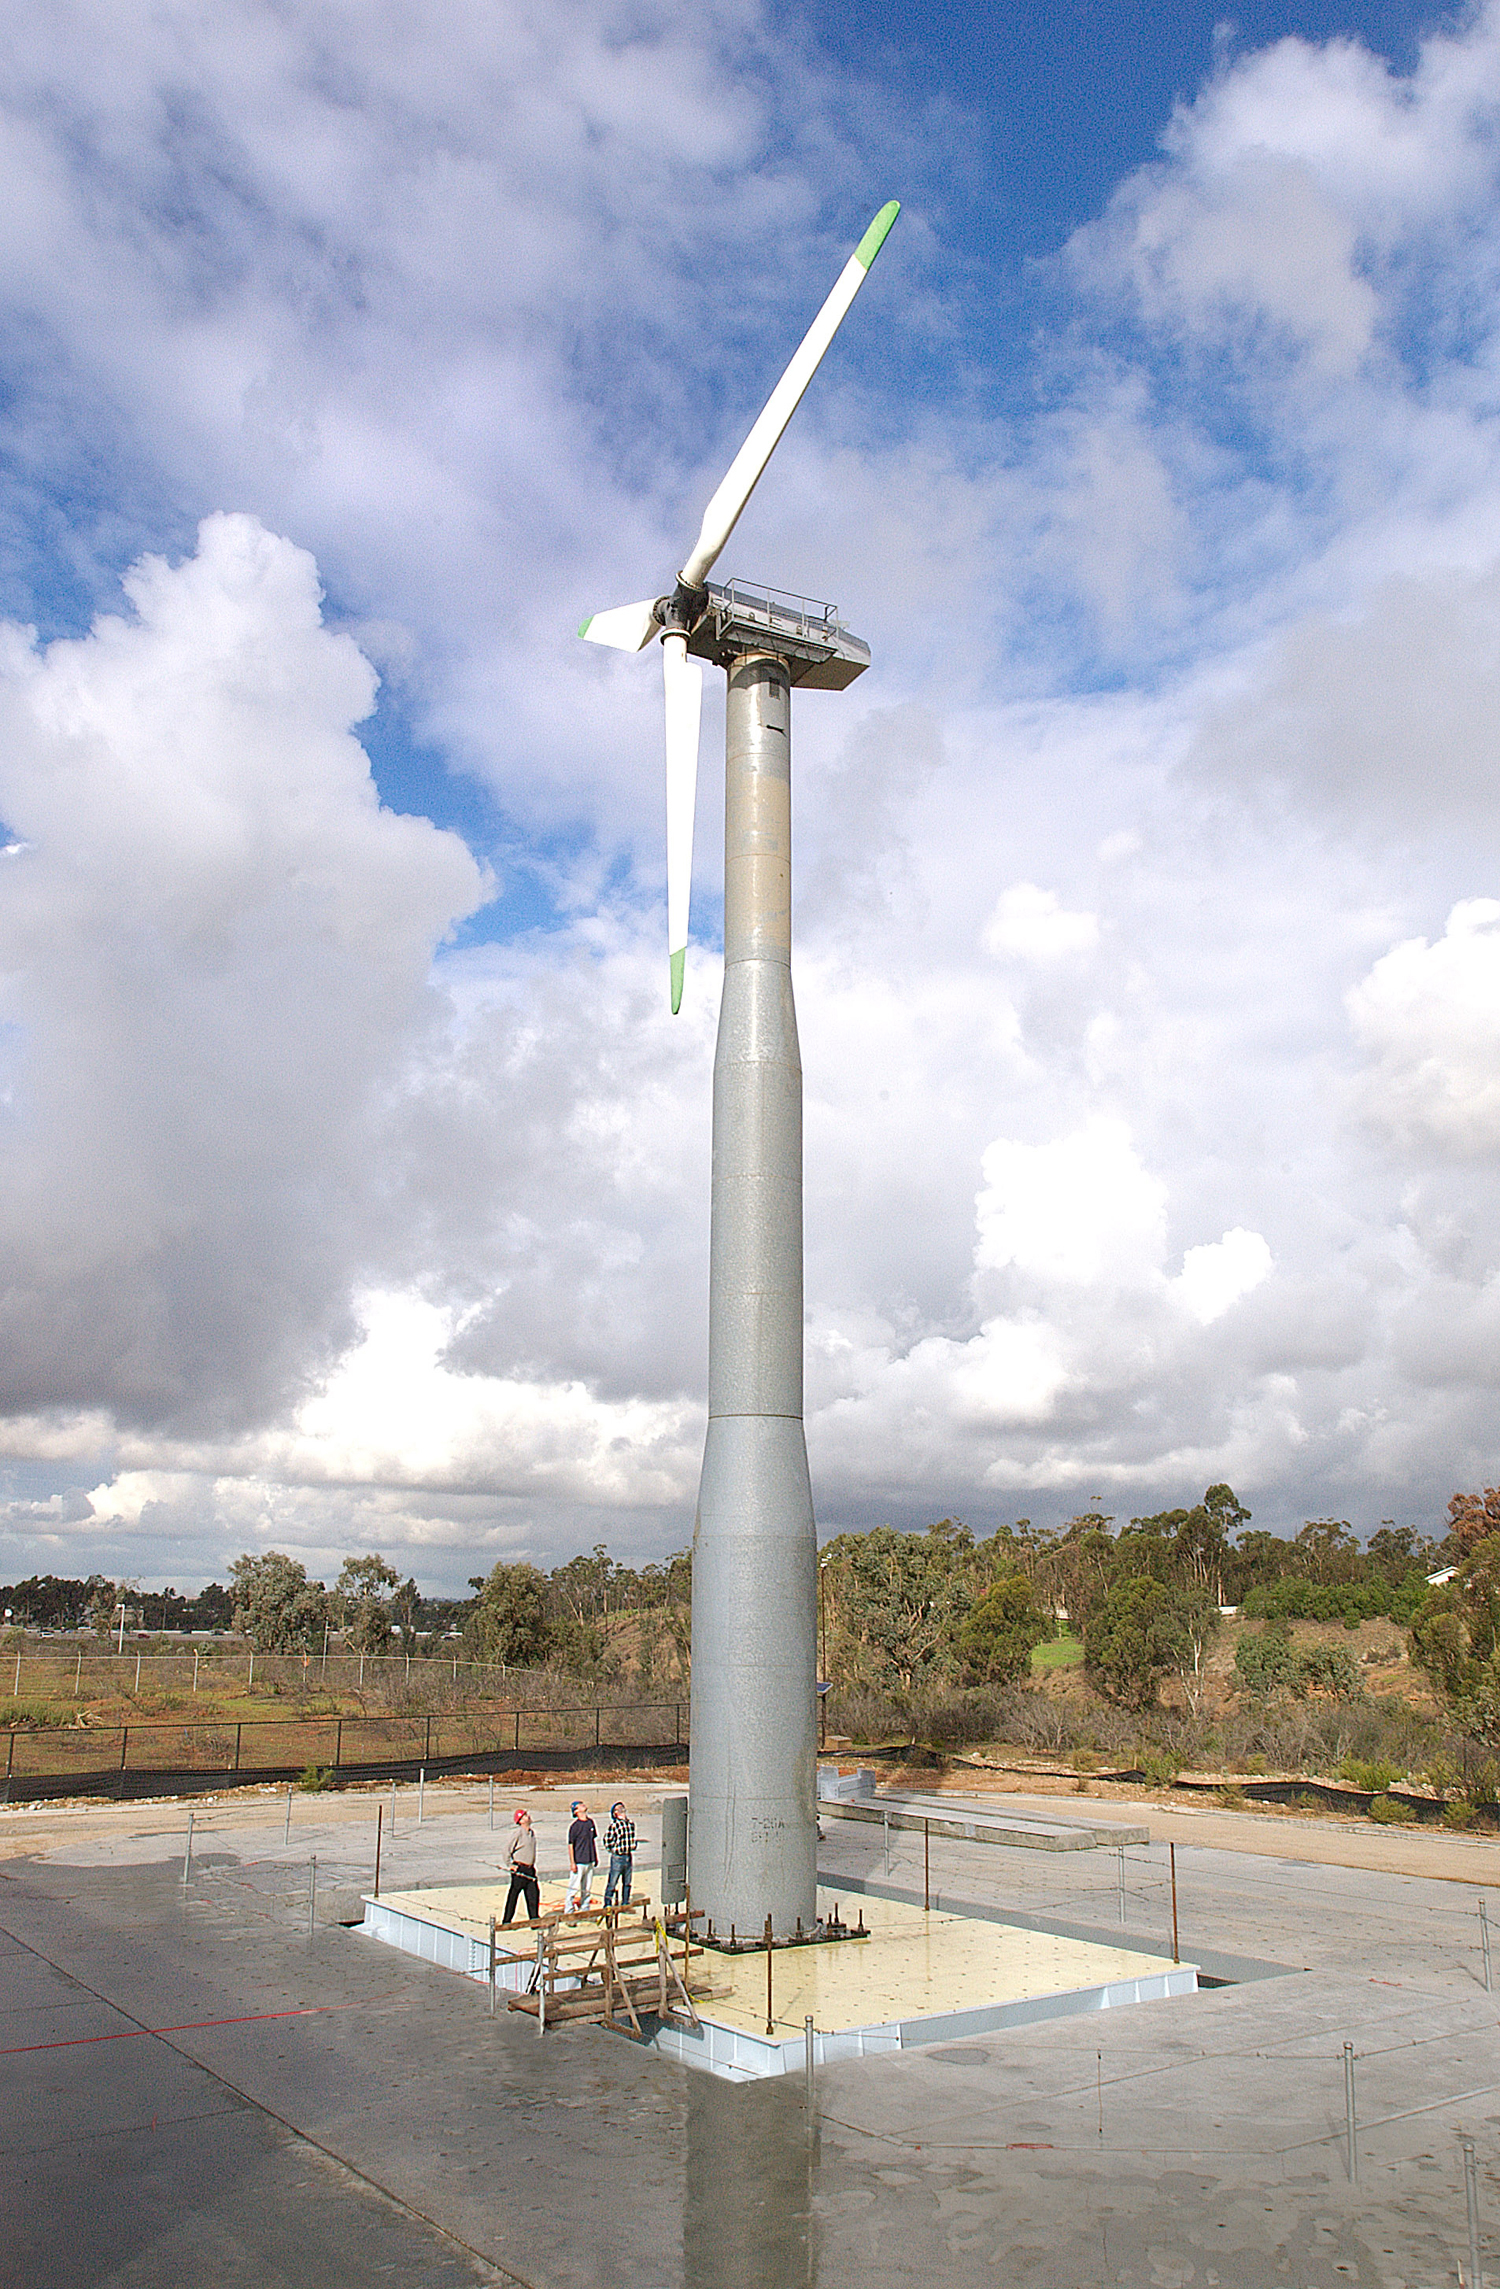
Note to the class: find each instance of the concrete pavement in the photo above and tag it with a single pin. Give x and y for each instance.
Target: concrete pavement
(392, 2125)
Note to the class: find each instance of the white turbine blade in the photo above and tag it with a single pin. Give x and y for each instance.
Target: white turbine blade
(683, 682)
(722, 513)
(627, 628)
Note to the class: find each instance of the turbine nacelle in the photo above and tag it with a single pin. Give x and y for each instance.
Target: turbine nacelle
(675, 619)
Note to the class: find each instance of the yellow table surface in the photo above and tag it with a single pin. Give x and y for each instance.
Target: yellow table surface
(915, 1964)
(468, 1907)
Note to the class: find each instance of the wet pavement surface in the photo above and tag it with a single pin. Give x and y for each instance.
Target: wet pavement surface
(317, 2109)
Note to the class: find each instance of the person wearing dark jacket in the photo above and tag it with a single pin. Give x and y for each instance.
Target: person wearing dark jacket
(583, 1858)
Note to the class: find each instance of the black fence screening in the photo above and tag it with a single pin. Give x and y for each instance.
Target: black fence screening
(151, 1755)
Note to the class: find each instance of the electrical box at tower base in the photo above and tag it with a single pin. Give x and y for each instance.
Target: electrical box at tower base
(674, 1824)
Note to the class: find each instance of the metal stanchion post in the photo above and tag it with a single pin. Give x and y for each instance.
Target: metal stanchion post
(885, 1822)
(770, 2016)
(1484, 1941)
(807, 2037)
(1353, 2152)
(421, 1790)
(312, 1896)
(1471, 2199)
(393, 1807)
(195, 1668)
(187, 1857)
(286, 1833)
(926, 1864)
(379, 1825)
(492, 1800)
(492, 1967)
(1121, 1880)
(1176, 1951)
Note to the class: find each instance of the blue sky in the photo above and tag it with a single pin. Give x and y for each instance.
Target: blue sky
(1149, 953)
(1060, 103)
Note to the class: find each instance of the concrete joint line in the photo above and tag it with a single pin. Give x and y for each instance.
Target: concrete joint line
(248, 2098)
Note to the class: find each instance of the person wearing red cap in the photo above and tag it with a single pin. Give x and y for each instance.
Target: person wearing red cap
(521, 1861)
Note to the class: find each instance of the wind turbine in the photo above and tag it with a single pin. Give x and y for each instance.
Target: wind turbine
(752, 1838)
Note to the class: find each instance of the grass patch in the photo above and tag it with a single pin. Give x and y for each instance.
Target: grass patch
(1058, 1653)
(38, 1713)
(1390, 1812)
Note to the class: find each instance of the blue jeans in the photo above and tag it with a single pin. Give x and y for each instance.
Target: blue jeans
(620, 1864)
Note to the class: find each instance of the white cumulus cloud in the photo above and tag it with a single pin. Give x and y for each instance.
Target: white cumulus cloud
(1429, 1015)
(1035, 924)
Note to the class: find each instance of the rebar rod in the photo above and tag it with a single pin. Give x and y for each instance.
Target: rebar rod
(1352, 2158)
(1471, 2201)
(1176, 1951)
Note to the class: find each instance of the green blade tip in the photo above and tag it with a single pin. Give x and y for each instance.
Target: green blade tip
(585, 625)
(875, 237)
(679, 968)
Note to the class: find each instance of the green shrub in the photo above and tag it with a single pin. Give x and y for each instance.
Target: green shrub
(315, 1777)
(996, 1641)
(1232, 1798)
(1331, 1669)
(1294, 1598)
(1266, 1662)
(1390, 1812)
(1457, 1814)
(1373, 1774)
(1133, 1638)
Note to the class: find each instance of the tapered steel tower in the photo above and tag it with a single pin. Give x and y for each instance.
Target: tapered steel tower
(752, 1822)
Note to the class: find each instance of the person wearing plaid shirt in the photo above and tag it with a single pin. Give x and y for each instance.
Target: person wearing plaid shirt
(619, 1842)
